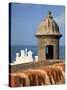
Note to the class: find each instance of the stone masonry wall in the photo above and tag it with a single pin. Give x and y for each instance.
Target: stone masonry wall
(43, 42)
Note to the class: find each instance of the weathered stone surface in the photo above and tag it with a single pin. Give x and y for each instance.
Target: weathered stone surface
(44, 75)
(14, 80)
(48, 36)
(48, 27)
(32, 65)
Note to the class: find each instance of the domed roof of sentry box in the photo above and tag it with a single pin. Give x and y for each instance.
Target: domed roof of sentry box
(48, 26)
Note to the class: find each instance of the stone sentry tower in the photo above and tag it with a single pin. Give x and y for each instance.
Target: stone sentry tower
(48, 36)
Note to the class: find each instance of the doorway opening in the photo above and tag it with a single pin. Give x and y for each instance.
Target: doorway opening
(49, 52)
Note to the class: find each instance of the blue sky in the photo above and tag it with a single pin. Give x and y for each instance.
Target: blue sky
(25, 19)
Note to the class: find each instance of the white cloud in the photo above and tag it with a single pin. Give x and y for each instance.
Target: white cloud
(60, 20)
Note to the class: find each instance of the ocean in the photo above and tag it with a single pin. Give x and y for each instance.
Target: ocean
(34, 49)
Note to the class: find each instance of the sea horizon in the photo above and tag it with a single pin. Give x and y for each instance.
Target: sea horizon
(34, 48)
